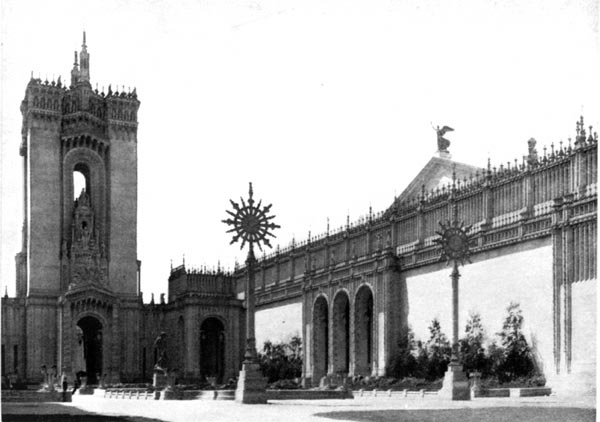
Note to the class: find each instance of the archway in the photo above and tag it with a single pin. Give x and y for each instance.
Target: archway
(341, 333)
(212, 349)
(363, 331)
(320, 337)
(91, 341)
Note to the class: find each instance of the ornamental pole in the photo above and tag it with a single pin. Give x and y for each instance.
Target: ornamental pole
(250, 354)
(455, 351)
(251, 223)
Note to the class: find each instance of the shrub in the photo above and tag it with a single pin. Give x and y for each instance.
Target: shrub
(282, 360)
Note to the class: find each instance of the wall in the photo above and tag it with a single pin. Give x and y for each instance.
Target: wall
(123, 212)
(520, 274)
(278, 324)
(43, 199)
(583, 295)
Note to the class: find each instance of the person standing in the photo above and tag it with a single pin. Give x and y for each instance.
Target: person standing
(64, 382)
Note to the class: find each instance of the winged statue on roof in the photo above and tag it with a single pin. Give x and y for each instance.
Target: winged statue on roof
(442, 142)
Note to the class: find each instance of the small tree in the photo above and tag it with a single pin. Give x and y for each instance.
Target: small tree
(517, 358)
(472, 353)
(438, 350)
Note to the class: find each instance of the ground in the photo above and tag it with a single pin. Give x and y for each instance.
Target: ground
(93, 409)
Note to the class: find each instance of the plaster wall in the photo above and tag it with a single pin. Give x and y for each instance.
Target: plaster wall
(278, 324)
(520, 274)
(583, 295)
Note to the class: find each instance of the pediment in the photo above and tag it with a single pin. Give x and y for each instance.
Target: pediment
(436, 173)
(90, 292)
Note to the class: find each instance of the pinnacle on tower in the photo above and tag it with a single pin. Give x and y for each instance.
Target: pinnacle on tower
(75, 72)
(84, 58)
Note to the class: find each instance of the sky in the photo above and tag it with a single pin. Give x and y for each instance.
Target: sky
(326, 107)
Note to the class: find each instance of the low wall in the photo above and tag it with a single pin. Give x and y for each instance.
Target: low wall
(28, 396)
(513, 392)
(308, 394)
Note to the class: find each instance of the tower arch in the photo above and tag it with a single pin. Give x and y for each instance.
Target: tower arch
(89, 164)
(89, 349)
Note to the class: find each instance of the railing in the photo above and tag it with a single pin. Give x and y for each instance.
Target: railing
(492, 199)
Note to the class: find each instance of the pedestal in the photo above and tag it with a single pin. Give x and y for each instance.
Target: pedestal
(84, 388)
(456, 384)
(159, 380)
(251, 386)
(476, 390)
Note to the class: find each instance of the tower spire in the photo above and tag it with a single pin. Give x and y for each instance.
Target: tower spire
(84, 59)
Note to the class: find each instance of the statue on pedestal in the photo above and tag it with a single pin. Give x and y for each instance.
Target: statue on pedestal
(160, 345)
(442, 142)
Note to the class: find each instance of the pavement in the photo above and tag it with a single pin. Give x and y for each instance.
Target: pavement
(358, 409)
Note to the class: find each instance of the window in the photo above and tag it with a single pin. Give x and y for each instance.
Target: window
(81, 180)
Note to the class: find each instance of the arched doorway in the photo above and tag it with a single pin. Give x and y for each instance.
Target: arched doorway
(341, 333)
(91, 344)
(320, 337)
(363, 331)
(212, 349)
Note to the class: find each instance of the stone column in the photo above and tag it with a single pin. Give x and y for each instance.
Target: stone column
(456, 384)
(455, 275)
(251, 383)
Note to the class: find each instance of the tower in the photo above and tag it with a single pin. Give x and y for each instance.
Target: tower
(79, 149)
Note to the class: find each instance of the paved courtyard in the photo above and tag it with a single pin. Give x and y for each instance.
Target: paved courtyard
(92, 409)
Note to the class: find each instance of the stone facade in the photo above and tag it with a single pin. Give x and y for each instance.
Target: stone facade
(533, 241)
(78, 302)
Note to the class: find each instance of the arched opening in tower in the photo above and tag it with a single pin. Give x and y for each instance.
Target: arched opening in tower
(320, 337)
(363, 331)
(212, 349)
(91, 348)
(81, 180)
(341, 333)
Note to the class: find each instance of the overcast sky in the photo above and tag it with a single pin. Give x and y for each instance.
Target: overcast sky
(325, 106)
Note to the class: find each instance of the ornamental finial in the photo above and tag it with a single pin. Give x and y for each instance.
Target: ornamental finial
(250, 223)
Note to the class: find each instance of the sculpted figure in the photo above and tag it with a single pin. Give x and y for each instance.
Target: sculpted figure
(442, 142)
(532, 156)
(160, 345)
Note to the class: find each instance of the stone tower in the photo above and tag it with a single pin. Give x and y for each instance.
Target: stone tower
(79, 248)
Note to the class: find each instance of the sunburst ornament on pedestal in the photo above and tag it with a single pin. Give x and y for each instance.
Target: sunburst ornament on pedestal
(454, 239)
(251, 223)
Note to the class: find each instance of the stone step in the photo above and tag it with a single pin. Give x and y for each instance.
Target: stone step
(226, 395)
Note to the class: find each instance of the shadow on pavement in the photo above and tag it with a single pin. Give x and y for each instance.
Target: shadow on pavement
(54, 412)
(495, 414)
